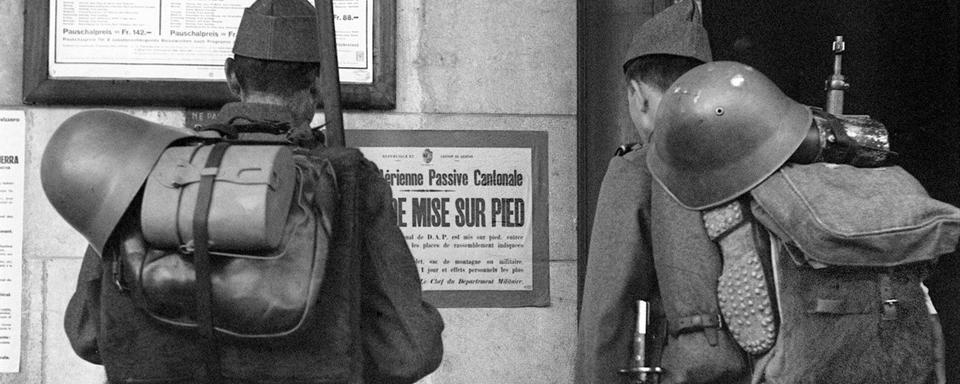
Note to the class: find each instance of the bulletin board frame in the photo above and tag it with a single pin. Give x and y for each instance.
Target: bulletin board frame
(40, 88)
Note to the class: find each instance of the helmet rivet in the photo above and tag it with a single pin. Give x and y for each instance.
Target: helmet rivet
(719, 111)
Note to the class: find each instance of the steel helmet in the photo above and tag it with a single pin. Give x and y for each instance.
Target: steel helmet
(94, 165)
(721, 129)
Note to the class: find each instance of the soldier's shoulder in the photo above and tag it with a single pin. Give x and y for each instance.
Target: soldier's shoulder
(342, 157)
(627, 172)
(626, 149)
(631, 157)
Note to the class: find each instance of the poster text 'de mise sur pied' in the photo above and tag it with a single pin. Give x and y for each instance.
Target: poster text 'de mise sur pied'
(473, 207)
(465, 213)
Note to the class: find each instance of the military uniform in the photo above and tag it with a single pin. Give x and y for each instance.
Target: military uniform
(380, 332)
(619, 272)
(620, 269)
(623, 248)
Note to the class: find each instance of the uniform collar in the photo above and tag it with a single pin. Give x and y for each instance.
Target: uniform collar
(300, 134)
(255, 112)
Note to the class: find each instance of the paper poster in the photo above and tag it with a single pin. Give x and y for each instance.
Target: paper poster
(12, 157)
(466, 213)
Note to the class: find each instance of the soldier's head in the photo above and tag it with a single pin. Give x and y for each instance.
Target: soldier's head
(663, 48)
(277, 56)
(647, 78)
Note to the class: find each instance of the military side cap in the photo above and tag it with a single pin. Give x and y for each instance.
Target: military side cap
(677, 30)
(281, 30)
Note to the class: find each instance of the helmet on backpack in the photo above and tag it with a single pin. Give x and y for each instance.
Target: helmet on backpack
(94, 165)
(722, 128)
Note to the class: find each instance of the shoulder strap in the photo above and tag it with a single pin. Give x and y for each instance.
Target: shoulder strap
(201, 260)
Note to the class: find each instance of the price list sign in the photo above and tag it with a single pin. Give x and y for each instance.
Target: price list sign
(178, 39)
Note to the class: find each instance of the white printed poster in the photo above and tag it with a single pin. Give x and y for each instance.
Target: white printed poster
(466, 213)
(178, 39)
(12, 157)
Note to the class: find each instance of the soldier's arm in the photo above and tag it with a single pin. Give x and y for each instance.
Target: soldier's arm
(401, 332)
(619, 272)
(82, 318)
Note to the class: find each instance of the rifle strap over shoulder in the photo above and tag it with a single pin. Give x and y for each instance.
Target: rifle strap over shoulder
(208, 342)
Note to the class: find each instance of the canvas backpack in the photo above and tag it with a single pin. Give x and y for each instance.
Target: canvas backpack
(232, 239)
(822, 272)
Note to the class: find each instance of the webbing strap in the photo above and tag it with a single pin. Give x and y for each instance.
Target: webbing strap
(708, 323)
(201, 260)
(888, 298)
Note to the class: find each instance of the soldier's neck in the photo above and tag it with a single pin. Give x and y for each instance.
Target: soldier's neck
(263, 98)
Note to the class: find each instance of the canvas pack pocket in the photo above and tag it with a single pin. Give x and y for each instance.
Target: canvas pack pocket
(839, 215)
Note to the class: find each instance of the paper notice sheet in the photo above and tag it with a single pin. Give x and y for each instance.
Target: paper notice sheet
(12, 158)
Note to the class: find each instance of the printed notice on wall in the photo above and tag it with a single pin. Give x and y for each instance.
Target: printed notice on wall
(466, 213)
(473, 206)
(178, 39)
(12, 152)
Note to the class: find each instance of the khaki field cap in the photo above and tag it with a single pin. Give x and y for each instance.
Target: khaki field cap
(678, 30)
(94, 165)
(280, 30)
(722, 128)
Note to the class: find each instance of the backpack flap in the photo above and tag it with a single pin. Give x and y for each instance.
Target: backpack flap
(839, 215)
(250, 202)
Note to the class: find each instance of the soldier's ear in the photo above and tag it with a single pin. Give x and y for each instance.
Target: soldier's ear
(229, 70)
(632, 87)
(638, 97)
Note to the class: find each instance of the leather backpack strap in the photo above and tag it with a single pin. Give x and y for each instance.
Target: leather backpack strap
(351, 210)
(201, 260)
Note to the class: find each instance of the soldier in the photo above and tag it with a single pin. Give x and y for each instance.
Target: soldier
(822, 261)
(620, 269)
(275, 73)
